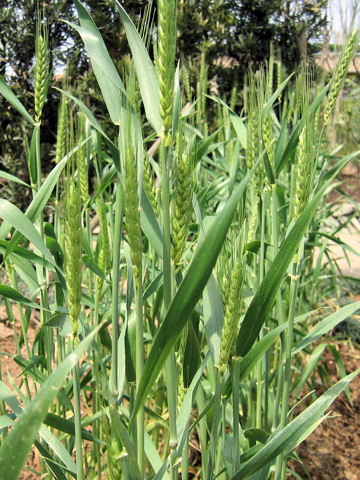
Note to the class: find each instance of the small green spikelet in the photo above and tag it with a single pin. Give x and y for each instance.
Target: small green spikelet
(114, 454)
(182, 208)
(149, 185)
(186, 82)
(232, 313)
(61, 130)
(73, 251)
(41, 72)
(81, 163)
(340, 74)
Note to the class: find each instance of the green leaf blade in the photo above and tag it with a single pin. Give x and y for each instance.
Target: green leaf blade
(7, 93)
(148, 81)
(188, 294)
(106, 74)
(295, 432)
(15, 448)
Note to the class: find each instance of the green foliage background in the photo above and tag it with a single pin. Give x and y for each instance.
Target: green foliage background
(239, 30)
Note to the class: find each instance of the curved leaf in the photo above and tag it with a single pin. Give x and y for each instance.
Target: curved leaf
(106, 74)
(13, 294)
(295, 432)
(10, 96)
(12, 178)
(148, 81)
(11, 214)
(188, 294)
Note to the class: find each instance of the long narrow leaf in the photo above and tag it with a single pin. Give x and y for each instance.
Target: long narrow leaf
(12, 178)
(266, 293)
(15, 448)
(38, 203)
(148, 81)
(327, 324)
(10, 96)
(13, 294)
(188, 294)
(106, 74)
(295, 432)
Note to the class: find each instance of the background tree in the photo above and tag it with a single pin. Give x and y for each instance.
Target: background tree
(242, 30)
(231, 35)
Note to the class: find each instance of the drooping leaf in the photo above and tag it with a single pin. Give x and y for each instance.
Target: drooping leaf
(13, 294)
(106, 74)
(37, 204)
(10, 96)
(12, 178)
(148, 81)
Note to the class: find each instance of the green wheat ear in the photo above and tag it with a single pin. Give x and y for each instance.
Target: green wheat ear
(306, 149)
(303, 172)
(61, 129)
(132, 212)
(340, 74)
(73, 252)
(201, 90)
(182, 208)
(41, 71)
(232, 310)
(186, 82)
(81, 161)
(149, 184)
(166, 61)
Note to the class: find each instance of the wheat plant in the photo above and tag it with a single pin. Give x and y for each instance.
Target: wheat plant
(176, 324)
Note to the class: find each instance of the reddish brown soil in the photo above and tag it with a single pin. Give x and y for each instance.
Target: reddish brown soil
(350, 178)
(10, 369)
(332, 451)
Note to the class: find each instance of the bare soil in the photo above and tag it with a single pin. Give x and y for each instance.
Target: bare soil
(11, 371)
(331, 452)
